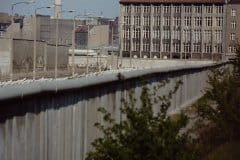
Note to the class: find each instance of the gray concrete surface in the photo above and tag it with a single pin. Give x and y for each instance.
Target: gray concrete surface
(54, 120)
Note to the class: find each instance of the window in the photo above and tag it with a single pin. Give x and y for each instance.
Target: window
(218, 36)
(209, 9)
(187, 9)
(136, 20)
(156, 10)
(166, 21)
(136, 33)
(176, 47)
(146, 20)
(233, 24)
(166, 47)
(232, 49)
(187, 21)
(208, 48)
(196, 48)
(136, 46)
(127, 9)
(197, 21)
(146, 9)
(177, 9)
(187, 47)
(207, 35)
(156, 34)
(198, 9)
(126, 20)
(146, 33)
(233, 12)
(157, 21)
(166, 34)
(197, 35)
(146, 47)
(166, 9)
(232, 36)
(156, 47)
(208, 21)
(137, 9)
(219, 21)
(126, 45)
(176, 21)
(218, 48)
(176, 34)
(126, 33)
(219, 9)
(186, 35)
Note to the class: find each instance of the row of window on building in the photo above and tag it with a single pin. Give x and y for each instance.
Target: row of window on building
(176, 9)
(187, 9)
(188, 35)
(176, 47)
(176, 21)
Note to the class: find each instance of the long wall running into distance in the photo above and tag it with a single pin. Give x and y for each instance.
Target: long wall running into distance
(54, 119)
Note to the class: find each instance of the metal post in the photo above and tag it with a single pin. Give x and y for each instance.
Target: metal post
(35, 41)
(121, 41)
(45, 58)
(56, 48)
(112, 50)
(73, 47)
(12, 19)
(35, 46)
(11, 61)
(87, 47)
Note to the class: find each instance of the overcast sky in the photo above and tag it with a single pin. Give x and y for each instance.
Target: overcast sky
(109, 8)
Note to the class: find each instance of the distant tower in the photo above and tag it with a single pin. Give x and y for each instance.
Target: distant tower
(58, 8)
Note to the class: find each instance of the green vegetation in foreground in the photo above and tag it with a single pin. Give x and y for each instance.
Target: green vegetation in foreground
(143, 134)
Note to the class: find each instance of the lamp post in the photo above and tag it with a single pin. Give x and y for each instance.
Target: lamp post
(12, 20)
(35, 40)
(56, 45)
(14, 4)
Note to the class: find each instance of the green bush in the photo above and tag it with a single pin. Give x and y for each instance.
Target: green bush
(143, 135)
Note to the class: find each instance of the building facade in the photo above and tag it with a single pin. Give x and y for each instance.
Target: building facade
(196, 29)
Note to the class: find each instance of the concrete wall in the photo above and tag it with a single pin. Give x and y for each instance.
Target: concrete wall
(65, 31)
(99, 36)
(5, 50)
(54, 119)
(23, 55)
(113, 61)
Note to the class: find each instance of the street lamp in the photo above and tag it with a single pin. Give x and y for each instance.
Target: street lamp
(35, 40)
(24, 2)
(56, 48)
(11, 54)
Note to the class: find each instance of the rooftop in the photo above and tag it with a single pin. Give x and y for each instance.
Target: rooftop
(172, 1)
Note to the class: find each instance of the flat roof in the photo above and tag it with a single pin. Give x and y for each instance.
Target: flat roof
(172, 1)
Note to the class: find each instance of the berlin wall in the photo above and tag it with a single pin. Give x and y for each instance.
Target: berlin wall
(54, 119)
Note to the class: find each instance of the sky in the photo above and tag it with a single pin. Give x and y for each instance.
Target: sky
(108, 8)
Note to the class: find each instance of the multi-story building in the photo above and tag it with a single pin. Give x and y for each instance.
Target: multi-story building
(5, 21)
(196, 29)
